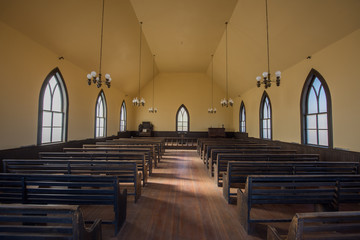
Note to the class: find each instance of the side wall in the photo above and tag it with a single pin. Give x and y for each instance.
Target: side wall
(338, 64)
(24, 65)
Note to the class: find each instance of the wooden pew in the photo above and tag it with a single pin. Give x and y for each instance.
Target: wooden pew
(113, 143)
(44, 222)
(321, 226)
(251, 150)
(108, 146)
(139, 158)
(226, 143)
(210, 147)
(126, 172)
(149, 155)
(222, 160)
(294, 189)
(159, 143)
(202, 142)
(237, 172)
(65, 189)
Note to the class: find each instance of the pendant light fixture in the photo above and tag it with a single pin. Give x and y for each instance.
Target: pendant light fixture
(153, 109)
(139, 101)
(212, 109)
(266, 75)
(225, 102)
(92, 76)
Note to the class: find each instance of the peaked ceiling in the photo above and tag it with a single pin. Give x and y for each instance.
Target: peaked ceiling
(183, 34)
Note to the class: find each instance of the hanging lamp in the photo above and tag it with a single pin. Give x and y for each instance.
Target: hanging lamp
(212, 109)
(225, 102)
(266, 79)
(139, 102)
(92, 77)
(153, 109)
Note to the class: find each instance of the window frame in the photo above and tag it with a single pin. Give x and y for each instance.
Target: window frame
(242, 108)
(313, 74)
(123, 107)
(261, 116)
(65, 107)
(102, 96)
(188, 121)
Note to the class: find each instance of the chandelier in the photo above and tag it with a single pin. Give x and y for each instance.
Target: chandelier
(139, 101)
(92, 76)
(266, 75)
(225, 102)
(151, 109)
(212, 109)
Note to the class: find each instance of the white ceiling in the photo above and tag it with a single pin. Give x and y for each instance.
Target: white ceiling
(183, 34)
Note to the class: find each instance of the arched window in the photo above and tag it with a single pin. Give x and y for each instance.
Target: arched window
(53, 109)
(316, 117)
(123, 117)
(265, 117)
(100, 116)
(242, 118)
(182, 119)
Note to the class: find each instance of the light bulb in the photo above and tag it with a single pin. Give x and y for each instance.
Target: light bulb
(265, 74)
(277, 73)
(258, 78)
(107, 76)
(89, 76)
(93, 73)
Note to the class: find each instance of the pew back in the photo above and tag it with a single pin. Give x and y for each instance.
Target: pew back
(222, 160)
(293, 189)
(65, 189)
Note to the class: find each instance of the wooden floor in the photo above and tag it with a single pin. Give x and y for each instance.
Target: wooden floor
(180, 202)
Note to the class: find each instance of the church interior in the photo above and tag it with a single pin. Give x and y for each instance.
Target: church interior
(177, 78)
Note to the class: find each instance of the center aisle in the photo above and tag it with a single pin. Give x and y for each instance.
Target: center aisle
(181, 201)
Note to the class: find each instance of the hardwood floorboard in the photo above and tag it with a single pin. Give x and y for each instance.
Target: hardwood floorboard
(180, 202)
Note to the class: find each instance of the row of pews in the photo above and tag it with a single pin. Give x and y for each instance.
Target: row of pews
(258, 176)
(44, 198)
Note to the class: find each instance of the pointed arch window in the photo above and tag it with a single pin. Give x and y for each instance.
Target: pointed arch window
(316, 111)
(265, 117)
(123, 117)
(242, 117)
(100, 116)
(53, 109)
(182, 119)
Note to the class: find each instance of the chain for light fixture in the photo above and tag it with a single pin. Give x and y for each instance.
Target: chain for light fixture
(266, 75)
(153, 109)
(212, 109)
(92, 76)
(139, 101)
(225, 102)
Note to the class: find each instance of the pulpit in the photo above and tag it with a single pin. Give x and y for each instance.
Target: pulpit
(216, 132)
(145, 129)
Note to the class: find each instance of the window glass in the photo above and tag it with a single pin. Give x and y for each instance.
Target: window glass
(265, 118)
(52, 109)
(182, 120)
(315, 111)
(100, 116)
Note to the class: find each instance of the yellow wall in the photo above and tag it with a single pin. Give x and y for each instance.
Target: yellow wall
(191, 89)
(24, 65)
(338, 64)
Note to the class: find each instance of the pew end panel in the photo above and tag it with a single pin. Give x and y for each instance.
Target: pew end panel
(320, 225)
(20, 221)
